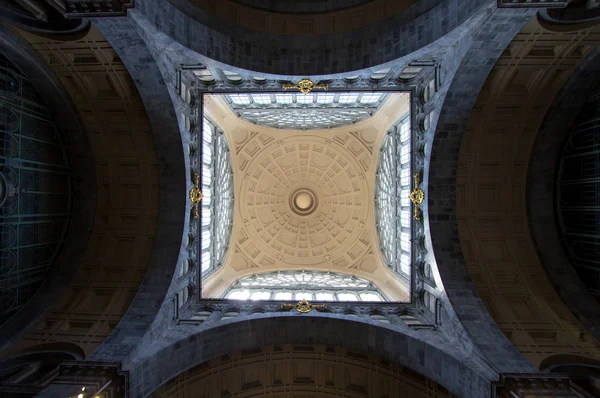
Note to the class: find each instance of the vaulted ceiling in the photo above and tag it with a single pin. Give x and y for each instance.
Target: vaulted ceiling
(333, 169)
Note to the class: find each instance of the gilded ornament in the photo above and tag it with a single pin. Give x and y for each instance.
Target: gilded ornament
(304, 306)
(305, 86)
(196, 195)
(417, 196)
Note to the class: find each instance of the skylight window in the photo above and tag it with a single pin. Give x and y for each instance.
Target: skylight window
(305, 99)
(240, 99)
(324, 98)
(261, 99)
(348, 98)
(308, 285)
(284, 98)
(392, 205)
(217, 184)
(318, 110)
(370, 98)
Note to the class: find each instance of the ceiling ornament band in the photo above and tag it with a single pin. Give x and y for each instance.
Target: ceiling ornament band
(304, 306)
(305, 86)
(196, 195)
(417, 196)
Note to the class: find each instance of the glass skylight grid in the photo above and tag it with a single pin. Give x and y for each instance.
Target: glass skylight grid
(324, 98)
(261, 99)
(317, 110)
(370, 98)
(392, 205)
(305, 99)
(348, 98)
(302, 284)
(284, 98)
(216, 207)
(239, 99)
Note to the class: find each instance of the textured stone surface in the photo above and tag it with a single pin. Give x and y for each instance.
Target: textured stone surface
(172, 195)
(307, 370)
(487, 46)
(156, 368)
(399, 36)
(490, 189)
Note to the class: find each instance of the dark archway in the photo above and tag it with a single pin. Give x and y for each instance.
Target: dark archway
(158, 365)
(82, 165)
(541, 190)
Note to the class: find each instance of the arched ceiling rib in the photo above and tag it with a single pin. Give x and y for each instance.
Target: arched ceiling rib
(491, 176)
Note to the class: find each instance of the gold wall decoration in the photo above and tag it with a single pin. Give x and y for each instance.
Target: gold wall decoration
(304, 306)
(196, 195)
(305, 86)
(417, 196)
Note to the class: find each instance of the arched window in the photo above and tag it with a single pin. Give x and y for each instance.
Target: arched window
(308, 285)
(392, 203)
(217, 203)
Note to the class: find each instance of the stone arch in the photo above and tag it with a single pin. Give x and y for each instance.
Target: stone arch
(407, 30)
(35, 367)
(151, 371)
(440, 212)
(583, 372)
(540, 193)
(307, 369)
(147, 202)
(486, 183)
(84, 200)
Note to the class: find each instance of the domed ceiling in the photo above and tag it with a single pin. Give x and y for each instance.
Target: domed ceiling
(304, 199)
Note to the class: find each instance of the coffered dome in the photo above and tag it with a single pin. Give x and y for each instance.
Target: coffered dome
(305, 200)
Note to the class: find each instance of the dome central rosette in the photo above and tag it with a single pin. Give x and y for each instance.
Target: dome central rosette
(303, 202)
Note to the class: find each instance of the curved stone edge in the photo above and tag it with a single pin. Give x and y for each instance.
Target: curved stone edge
(364, 48)
(488, 44)
(540, 193)
(184, 352)
(173, 194)
(84, 202)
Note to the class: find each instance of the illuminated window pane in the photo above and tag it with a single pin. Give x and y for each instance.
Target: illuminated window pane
(392, 203)
(303, 296)
(348, 98)
(305, 99)
(217, 204)
(324, 296)
(283, 296)
(347, 297)
(370, 98)
(324, 98)
(370, 297)
(238, 294)
(261, 98)
(240, 99)
(284, 98)
(260, 296)
(322, 285)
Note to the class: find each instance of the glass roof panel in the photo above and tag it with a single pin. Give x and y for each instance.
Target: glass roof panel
(298, 111)
(322, 285)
